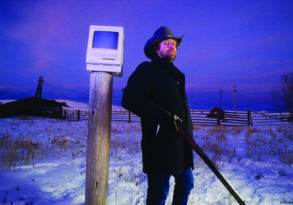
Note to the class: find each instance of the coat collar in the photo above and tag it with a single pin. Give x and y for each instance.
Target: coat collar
(162, 62)
(169, 66)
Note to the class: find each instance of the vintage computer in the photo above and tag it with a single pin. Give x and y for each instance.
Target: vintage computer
(105, 49)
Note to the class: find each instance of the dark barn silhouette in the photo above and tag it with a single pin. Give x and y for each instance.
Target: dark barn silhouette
(32, 106)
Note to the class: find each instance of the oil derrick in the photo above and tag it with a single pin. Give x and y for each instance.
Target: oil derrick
(39, 90)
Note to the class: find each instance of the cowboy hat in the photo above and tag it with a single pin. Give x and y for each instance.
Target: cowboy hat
(160, 34)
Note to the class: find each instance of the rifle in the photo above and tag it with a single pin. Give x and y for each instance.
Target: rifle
(180, 128)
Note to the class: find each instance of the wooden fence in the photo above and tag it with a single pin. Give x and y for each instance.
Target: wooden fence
(199, 117)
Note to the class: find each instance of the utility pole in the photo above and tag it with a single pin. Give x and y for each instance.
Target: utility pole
(234, 98)
(220, 98)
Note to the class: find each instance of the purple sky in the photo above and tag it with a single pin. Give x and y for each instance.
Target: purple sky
(248, 43)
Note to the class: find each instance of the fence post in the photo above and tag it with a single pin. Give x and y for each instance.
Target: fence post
(78, 115)
(218, 121)
(129, 117)
(249, 118)
(64, 113)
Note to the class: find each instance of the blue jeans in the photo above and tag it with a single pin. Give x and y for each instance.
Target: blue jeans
(158, 188)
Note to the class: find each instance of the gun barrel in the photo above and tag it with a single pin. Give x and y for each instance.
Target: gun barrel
(212, 166)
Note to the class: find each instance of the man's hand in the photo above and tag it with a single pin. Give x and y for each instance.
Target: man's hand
(176, 120)
(178, 123)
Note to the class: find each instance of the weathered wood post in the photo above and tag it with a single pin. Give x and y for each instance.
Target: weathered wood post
(65, 113)
(104, 58)
(129, 117)
(249, 118)
(218, 121)
(98, 142)
(78, 115)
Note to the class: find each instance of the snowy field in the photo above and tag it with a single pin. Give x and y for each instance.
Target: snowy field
(43, 162)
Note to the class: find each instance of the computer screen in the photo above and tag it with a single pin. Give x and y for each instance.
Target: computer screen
(105, 39)
(105, 48)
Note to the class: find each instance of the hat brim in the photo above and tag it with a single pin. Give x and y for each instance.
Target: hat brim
(148, 47)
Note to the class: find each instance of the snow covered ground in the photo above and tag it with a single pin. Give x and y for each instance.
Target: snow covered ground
(42, 161)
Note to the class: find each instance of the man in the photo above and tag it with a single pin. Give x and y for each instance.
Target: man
(156, 93)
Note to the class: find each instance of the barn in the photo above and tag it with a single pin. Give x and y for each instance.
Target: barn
(32, 106)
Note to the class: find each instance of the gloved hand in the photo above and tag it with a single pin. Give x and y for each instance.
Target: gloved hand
(175, 120)
(178, 123)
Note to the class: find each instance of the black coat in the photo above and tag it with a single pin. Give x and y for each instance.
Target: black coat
(153, 88)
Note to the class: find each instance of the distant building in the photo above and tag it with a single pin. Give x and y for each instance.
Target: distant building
(217, 113)
(32, 106)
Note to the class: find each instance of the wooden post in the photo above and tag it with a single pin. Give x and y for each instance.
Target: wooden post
(218, 121)
(98, 141)
(78, 115)
(65, 114)
(129, 117)
(249, 118)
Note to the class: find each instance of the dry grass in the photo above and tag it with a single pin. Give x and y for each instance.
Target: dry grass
(216, 130)
(115, 144)
(251, 131)
(268, 143)
(24, 150)
(236, 130)
(125, 127)
(13, 151)
(214, 149)
(196, 127)
(216, 144)
(286, 131)
(260, 143)
(131, 147)
(287, 158)
(61, 142)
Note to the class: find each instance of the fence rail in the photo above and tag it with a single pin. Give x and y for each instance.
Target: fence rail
(199, 117)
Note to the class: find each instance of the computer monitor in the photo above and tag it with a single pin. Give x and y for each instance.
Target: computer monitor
(105, 49)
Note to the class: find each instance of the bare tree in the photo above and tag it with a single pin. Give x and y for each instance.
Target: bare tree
(287, 90)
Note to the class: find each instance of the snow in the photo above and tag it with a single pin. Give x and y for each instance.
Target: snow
(256, 161)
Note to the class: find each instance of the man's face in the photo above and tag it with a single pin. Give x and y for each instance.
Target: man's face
(167, 49)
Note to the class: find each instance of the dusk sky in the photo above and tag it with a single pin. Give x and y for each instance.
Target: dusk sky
(248, 43)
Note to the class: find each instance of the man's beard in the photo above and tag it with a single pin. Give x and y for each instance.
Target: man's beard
(171, 55)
